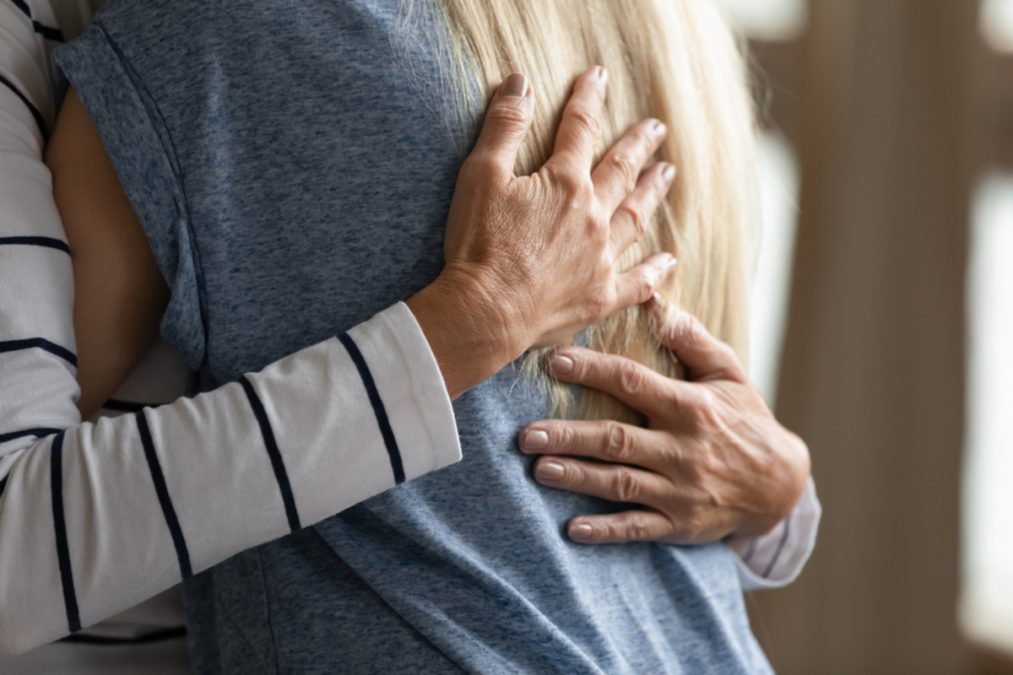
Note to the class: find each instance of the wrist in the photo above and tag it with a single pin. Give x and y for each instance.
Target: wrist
(495, 311)
(787, 486)
(472, 334)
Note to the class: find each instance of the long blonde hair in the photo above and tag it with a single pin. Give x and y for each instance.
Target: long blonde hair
(675, 60)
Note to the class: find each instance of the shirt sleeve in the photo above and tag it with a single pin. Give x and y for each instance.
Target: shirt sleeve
(777, 558)
(95, 517)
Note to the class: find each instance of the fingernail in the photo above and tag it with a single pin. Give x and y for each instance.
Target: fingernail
(515, 85)
(535, 439)
(668, 173)
(580, 531)
(561, 364)
(549, 471)
(601, 74)
(656, 297)
(658, 128)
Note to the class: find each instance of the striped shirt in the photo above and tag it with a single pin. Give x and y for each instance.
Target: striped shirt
(95, 517)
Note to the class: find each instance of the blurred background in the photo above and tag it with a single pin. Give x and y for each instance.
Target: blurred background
(883, 324)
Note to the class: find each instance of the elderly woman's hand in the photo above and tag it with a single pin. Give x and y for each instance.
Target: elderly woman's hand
(712, 462)
(531, 260)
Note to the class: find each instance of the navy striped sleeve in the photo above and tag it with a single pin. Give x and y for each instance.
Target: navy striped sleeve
(277, 462)
(39, 119)
(44, 242)
(45, 31)
(164, 500)
(780, 547)
(39, 343)
(24, 433)
(60, 528)
(382, 420)
(118, 405)
(147, 638)
(750, 551)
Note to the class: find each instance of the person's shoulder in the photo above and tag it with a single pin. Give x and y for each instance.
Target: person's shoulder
(124, 20)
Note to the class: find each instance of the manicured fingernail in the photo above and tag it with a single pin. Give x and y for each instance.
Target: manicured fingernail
(658, 128)
(549, 471)
(535, 439)
(515, 85)
(601, 74)
(668, 173)
(561, 364)
(580, 531)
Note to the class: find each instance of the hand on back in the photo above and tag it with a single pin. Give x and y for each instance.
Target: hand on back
(544, 247)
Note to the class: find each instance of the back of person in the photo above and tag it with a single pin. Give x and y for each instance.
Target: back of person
(293, 163)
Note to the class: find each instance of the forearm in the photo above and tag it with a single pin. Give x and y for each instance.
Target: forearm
(149, 498)
(218, 478)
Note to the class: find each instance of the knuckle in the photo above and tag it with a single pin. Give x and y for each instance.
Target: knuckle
(598, 306)
(674, 399)
(631, 378)
(626, 488)
(634, 216)
(610, 531)
(617, 442)
(586, 122)
(573, 474)
(645, 286)
(567, 438)
(704, 409)
(636, 530)
(580, 189)
(575, 188)
(691, 525)
(507, 118)
(727, 355)
(628, 170)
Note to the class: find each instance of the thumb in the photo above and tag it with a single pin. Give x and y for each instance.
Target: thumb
(507, 121)
(704, 355)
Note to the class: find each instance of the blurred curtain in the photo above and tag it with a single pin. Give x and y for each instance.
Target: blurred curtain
(873, 365)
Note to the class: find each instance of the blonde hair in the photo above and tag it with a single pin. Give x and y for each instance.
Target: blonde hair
(675, 60)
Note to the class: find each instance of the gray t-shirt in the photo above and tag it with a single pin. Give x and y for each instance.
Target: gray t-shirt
(292, 164)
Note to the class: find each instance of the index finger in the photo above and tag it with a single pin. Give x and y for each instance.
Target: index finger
(580, 128)
(603, 440)
(704, 355)
(630, 382)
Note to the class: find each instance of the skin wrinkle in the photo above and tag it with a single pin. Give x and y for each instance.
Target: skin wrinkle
(721, 474)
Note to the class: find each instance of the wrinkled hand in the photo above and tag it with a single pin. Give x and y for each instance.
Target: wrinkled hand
(531, 260)
(546, 245)
(712, 462)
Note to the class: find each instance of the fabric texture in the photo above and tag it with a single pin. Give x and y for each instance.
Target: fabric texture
(291, 177)
(95, 517)
(34, 301)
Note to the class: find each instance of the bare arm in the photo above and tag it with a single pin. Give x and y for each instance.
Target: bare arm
(120, 294)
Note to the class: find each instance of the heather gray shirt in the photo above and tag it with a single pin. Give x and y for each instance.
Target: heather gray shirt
(307, 153)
